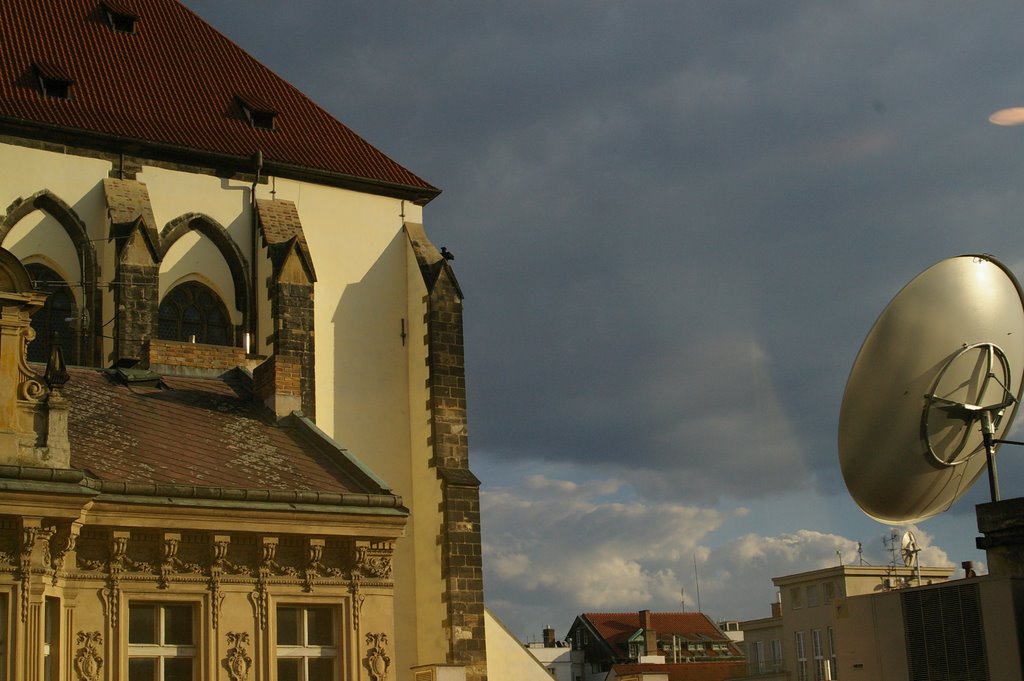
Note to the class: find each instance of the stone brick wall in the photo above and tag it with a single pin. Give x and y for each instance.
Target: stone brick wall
(291, 307)
(136, 298)
(277, 383)
(461, 560)
(171, 357)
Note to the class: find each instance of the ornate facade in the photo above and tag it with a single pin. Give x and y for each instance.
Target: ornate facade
(255, 464)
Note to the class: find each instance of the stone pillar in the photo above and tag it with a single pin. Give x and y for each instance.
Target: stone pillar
(1002, 524)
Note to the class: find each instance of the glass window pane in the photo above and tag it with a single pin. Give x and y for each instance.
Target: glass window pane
(142, 623)
(288, 627)
(142, 669)
(178, 668)
(320, 627)
(178, 625)
(320, 669)
(288, 670)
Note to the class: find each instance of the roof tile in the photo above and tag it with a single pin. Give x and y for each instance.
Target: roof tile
(172, 82)
(194, 431)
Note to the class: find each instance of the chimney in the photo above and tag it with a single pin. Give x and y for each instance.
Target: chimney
(276, 383)
(650, 636)
(549, 637)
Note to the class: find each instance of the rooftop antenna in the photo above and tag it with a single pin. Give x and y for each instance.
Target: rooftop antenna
(934, 387)
(908, 552)
(696, 578)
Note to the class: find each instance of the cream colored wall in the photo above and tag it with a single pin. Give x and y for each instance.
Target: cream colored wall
(507, 658)
(74, 180)
(360, 293)
(195, 257)
(174, 193)
(425, 498)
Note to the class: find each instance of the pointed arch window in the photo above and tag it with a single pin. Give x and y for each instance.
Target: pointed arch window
(192, 311)
(58, 315)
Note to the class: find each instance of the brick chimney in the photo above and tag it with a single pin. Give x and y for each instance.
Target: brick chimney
(650, 636)
(277, 383)
(549, 637)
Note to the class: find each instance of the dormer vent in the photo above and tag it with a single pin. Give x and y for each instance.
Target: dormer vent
(53, 80)
(257, 113)
(119, 17)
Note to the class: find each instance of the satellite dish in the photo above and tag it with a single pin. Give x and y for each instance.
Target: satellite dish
(933, 389)
(908, 548)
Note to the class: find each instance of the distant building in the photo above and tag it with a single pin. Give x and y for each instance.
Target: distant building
(640, 644)
(557, 656)
(800, 641)
(961, 629)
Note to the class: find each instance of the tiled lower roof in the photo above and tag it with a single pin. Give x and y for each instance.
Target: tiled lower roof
(196, 432)
(616, 628)
(174, 82)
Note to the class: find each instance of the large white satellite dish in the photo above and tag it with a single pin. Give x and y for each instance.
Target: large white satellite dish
(935, 386)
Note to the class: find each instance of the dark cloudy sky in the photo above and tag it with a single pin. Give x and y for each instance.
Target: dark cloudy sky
(674, 223)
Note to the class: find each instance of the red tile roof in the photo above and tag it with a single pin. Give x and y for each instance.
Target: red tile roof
(617, 627)
(201, 432)
(173, 85)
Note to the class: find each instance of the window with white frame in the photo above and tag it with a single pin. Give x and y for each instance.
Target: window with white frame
(832, 653)
(757, 663)
(161, 642)
(777, 653)
(307, 643)
(801, 657)
(822, 667)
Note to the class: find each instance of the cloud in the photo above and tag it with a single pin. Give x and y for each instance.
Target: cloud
(675, 222)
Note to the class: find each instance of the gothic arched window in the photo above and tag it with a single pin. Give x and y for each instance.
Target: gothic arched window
(193, 309)
(58, 314)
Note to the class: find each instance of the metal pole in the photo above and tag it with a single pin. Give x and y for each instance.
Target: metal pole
(987, 432)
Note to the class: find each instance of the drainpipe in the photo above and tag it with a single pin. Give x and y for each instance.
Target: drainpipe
(253, 304)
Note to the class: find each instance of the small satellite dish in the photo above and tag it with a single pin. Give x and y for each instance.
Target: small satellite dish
(908, 548)
(933, 389)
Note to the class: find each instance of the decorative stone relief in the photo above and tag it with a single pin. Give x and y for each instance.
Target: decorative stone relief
(314, 564)
(377, 661)
(171, 564)
(238, 663)
(357, 601)
(64, 542)
(33, 557)
(88, 662)
(374, 560)
(219, 564)
(117, 563)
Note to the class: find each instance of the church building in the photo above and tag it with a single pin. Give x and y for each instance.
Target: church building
(233, 439)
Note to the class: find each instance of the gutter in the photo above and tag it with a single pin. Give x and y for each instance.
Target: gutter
(75, 137)
(171, 491)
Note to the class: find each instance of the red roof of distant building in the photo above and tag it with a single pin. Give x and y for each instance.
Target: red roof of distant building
(617, 627)
(173, 83)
